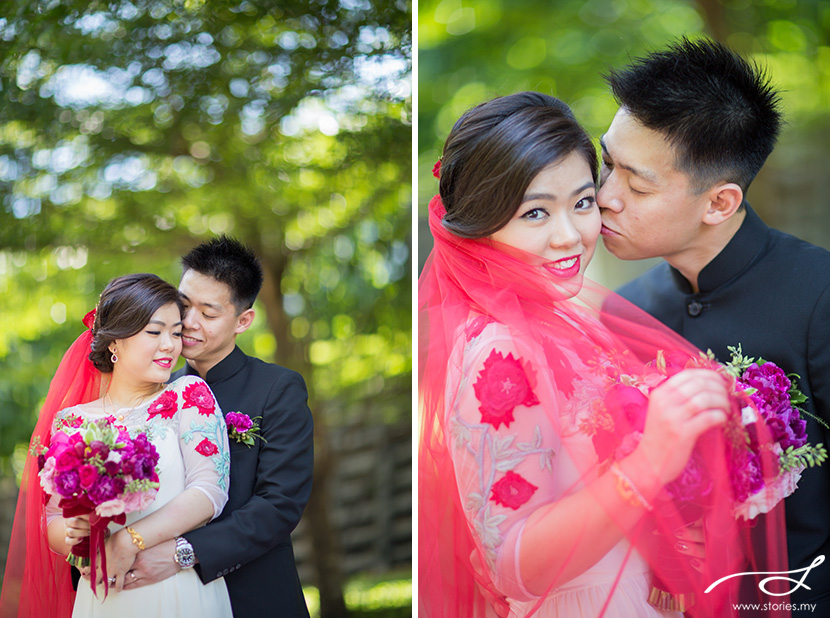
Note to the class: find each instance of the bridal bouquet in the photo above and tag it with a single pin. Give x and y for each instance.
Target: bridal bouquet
(95, 468)
(762, 471)
(765, 391)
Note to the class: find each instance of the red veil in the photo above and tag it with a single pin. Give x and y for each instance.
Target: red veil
(37, 582)
(498, 284)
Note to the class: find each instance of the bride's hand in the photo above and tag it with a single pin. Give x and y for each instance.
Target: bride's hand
(76, 529)
(121, 553)
(679, 411)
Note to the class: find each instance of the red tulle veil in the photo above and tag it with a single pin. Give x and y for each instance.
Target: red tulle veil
(468, 276)
(37, 581)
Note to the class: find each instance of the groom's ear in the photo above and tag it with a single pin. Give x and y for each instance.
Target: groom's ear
(244, 321)
(724, 201)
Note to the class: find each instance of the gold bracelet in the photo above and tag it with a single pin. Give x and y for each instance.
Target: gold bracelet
(627, 490)
(137, 538)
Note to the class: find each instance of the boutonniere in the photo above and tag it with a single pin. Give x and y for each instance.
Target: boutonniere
(243, 428)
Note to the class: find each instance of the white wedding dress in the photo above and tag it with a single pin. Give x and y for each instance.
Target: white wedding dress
(540, 457)
(186, 460)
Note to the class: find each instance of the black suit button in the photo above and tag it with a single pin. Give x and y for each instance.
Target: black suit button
(694, 308)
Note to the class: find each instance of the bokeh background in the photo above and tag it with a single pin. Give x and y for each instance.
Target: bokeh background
(131, 130)
(472, 51)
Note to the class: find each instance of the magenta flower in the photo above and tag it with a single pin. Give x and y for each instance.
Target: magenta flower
(88, 474)
(239, 422)
(106, 488)
(693, 482)
(67, 483)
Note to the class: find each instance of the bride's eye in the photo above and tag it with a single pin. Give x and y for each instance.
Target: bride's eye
(586, 203)
(535, 215)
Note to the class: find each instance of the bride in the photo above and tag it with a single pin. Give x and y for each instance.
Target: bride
(119, 368)
(517, 351)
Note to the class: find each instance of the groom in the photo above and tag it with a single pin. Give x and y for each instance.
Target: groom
(696, 123)
(249, 544)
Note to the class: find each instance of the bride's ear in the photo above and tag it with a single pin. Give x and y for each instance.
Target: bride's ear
(724, 201)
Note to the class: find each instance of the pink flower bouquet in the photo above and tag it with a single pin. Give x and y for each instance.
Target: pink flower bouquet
(96, 468)
(765, 392)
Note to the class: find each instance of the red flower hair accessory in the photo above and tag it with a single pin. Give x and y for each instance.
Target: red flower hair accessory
(89, 318)
(436, 169)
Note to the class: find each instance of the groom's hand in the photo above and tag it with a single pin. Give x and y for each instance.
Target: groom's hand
(153, 565)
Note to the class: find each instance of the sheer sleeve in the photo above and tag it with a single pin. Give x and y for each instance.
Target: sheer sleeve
(504, 439)
(203, 438)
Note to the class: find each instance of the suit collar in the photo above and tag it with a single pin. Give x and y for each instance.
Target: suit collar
(224, 369)
(739, 253)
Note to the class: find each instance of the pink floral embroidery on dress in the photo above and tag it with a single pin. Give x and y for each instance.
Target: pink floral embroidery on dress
(198, 394)
(207, 448)
(165, 406)
(512, 490)
(502, 385)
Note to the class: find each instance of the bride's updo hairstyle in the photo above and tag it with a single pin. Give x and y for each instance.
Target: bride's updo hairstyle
(494, 152)
(124, 309)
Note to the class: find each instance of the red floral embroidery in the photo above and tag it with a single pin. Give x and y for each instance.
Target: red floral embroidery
(436, 169)
(502, 385)
(476, 325)
(165, 405)
(206, 448)
(198, 394)
(512, 491)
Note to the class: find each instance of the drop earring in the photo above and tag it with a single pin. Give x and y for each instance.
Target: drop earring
(114, 358)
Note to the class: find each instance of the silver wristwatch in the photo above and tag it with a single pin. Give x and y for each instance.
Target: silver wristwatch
(184, 555)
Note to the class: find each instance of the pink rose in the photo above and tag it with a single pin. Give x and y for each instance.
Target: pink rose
(88, 474)
(139, 500)
(110, 508)
(47, 475)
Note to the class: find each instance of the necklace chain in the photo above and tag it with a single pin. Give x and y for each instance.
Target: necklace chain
(141, 400)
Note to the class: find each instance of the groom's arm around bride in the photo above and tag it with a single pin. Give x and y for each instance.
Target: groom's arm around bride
(249, 544)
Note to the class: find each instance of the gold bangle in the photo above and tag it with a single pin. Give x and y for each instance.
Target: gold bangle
(627, 490)
(137, 538)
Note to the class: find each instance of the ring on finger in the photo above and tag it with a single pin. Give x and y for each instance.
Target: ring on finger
(111, 580)
(132, 575)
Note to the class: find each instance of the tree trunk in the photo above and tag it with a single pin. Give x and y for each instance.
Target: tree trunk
(325, 546)
(715, 16)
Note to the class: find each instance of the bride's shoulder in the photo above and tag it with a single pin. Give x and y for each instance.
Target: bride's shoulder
(84, 409)
(484, 331)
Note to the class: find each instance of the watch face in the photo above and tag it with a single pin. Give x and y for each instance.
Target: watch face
(184, 554)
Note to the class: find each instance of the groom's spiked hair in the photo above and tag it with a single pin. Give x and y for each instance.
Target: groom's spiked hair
(230, 262)
(719, 111)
